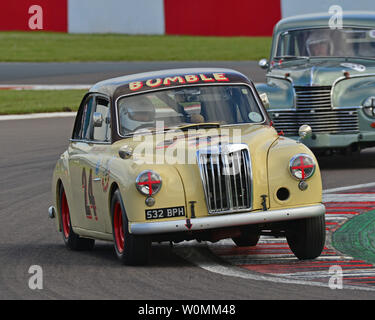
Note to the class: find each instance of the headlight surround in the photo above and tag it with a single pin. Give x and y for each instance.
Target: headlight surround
(369, 106)
(148, 182)
(302, 166)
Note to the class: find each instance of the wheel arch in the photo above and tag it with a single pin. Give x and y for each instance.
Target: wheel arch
(114, 186)
(59, 184)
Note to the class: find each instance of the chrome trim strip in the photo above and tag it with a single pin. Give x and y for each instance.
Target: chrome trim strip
(250, 174)
(241, 184)
(338, 108)
(229, 220)
(228, 185)
(213, 183)
(233, 178)
(219, 177)
(90, 141)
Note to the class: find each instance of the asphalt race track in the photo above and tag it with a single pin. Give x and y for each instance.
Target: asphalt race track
(29, 150)
(91, 72)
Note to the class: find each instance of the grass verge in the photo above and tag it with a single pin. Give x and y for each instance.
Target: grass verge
(35, 101)
(63, 47)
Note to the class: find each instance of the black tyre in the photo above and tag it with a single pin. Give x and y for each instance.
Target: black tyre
(247, 240)
(306, 237)
(130, 249)
(71, 239)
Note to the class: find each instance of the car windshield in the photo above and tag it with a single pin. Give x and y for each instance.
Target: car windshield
(177, 107)
(326, 42)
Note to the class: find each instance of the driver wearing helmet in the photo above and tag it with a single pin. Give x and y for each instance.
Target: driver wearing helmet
(137, 113)
(188, 99)
(319, 44)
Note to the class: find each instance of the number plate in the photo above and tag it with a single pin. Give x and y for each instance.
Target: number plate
(165, 213)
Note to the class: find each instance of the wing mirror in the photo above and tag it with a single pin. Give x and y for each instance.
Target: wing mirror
(304, 132)
(263, 63)
(264, 98)
(97, 119)
(125, 152)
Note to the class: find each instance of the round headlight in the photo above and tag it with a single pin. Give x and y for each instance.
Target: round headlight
(369, 107)
(302, 166)
(148, 183)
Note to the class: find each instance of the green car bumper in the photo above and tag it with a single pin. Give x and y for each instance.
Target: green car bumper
(332, 141)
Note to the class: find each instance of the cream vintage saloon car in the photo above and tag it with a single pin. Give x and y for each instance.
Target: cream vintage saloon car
(179, 155)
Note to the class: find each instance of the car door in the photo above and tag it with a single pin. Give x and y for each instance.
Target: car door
(96, 162)
(87, 147)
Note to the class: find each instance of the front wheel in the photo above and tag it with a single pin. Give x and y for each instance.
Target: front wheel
(130, 249)
(71, 239)
(306, 237)
(247, 240)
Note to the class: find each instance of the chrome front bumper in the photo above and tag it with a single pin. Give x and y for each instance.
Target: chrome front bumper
(227, 220)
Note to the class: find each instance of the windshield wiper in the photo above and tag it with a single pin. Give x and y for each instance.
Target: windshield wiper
(206, 125)
(362, 58)
(340, 57)
(287, 57)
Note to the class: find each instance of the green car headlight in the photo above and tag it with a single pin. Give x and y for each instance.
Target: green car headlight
(369, 106)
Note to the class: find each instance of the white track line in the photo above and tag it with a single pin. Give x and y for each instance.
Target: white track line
(365, 185)
(190, 251)
(348, 197)
(45, 87)
(38, 116)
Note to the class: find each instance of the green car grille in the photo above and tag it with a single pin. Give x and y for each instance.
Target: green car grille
(313, 107)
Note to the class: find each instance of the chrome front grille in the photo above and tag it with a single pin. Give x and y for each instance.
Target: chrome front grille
(317, 98)
(226, 177)
(313, 107)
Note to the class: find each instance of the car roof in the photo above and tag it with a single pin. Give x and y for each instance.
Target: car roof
(116, 87)
(349, 18)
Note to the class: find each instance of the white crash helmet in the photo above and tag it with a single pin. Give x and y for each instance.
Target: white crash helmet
(319, 38)
(136, 113)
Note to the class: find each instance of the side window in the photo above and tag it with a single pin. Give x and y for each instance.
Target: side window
(82, 123)
(282, 45)
(84, 128)
(87, 123)
(103, 132)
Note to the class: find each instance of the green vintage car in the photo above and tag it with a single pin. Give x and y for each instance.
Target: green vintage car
(323, 75)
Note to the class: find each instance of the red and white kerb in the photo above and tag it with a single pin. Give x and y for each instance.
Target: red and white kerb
(302, 166)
